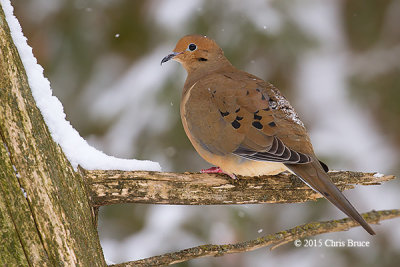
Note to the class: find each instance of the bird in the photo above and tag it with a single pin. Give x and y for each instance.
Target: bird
(243, 125)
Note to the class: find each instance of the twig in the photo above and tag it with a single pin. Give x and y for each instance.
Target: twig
(277, 239)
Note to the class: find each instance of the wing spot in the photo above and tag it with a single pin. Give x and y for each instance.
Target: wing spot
(237, 110)
(258, 90)
(257, 125)
(236, 124)
(247, 93)
(272, 124)
(223, 114)
(257, 117)
(238, 118)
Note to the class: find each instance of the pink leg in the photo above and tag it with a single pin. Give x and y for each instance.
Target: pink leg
(217, 170)
(212, 170)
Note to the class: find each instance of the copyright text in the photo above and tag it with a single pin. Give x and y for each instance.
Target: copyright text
(330, 243)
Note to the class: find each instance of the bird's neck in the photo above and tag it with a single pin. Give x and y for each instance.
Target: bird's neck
(203, 69)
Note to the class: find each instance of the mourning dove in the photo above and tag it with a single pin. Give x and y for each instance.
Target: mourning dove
(244, 125)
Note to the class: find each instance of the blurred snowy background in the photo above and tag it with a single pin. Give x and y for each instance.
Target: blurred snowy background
(338, 62)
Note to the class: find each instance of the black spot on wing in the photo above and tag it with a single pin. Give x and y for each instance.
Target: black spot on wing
(257, 117)
(223, 114)
(272, 124)
(236, 124)
(257, 124)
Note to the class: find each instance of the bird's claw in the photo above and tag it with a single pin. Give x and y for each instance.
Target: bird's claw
(218, 170)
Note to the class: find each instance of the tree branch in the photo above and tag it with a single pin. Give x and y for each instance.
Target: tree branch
(113, 187)
(277, 239)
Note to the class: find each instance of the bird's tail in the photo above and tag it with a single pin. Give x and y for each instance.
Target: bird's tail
(315, 177)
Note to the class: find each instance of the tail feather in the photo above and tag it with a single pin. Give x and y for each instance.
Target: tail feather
(315, 177)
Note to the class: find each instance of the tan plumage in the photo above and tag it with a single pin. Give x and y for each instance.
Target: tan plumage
(243, 124)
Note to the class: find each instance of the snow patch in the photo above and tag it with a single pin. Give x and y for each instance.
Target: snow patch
(77, 150)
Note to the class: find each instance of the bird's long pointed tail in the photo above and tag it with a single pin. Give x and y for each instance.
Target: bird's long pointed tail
(315, 177)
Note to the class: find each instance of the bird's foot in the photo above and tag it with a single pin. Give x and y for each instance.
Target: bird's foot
(212, 170)
(218, 170)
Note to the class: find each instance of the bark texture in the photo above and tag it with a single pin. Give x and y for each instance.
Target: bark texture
(45, 215)
(113, 187)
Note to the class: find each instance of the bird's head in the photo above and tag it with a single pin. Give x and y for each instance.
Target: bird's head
(196, 51)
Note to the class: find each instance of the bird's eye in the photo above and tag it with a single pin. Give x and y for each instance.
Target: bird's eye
(192, 47)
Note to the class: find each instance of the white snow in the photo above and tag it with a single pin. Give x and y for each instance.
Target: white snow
(378, 175)
(77, 150)
(108, 262)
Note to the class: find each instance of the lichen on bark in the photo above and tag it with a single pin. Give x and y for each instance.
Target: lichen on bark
(53, 223)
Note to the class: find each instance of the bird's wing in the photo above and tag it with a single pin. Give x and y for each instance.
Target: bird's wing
(241, 114)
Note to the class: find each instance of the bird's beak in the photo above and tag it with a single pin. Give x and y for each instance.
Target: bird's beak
(169, 57)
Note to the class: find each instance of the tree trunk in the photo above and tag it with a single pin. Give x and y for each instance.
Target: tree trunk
(45, 215)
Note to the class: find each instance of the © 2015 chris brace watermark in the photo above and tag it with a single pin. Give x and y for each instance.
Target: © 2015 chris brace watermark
(330, 243)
